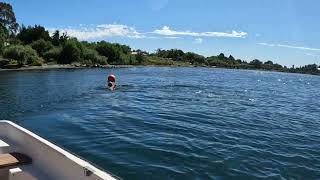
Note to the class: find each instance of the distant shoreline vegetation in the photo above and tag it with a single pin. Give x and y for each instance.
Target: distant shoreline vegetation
(22, 46)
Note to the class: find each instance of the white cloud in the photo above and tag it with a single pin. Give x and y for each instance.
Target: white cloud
(100, 31)
(91, 32)
(152, 37)
(198, 40)
(299, 47)
(171, 37)
(289, 46)
(266, 44)
(166, 31)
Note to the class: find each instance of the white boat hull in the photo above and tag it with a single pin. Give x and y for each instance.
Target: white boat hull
(48, 160)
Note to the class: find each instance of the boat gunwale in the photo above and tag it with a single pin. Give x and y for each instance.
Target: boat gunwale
(86, 164)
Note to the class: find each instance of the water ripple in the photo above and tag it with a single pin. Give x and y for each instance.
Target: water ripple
(175, 123)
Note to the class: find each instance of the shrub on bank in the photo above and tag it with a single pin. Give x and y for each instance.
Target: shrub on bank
(24, 55)
(92, 57)
(41, 46)
(53, 54)
(71, 52)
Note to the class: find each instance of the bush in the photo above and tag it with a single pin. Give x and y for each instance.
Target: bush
(93, 57)
(116, 54)
(13, 62)
(39, 62)
(22, 54)
(53, 55)
(71, 52)
(41, 46)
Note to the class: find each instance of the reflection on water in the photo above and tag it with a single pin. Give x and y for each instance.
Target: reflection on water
(174, 123)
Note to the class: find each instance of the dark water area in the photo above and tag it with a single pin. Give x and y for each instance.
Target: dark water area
(174, 123)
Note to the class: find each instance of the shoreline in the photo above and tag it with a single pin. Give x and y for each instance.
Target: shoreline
(75, 66)
(63, 66)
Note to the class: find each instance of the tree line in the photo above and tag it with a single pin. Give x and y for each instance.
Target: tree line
(230, 62)
(34, 45)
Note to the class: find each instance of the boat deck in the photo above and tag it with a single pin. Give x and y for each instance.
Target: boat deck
(11, 169)
(39, 159)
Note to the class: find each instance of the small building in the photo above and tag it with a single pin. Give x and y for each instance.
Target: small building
(139, 51)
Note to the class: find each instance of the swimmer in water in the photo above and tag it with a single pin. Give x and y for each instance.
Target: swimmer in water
(112, 82)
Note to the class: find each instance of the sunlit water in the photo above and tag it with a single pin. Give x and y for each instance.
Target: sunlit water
(174, 123)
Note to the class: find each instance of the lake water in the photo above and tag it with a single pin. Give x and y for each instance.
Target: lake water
(174, 123)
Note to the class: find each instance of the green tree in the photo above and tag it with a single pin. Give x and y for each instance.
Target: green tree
(91, 56)
(239, 61)
(53, 54)
(221, 56)
(194, 58)
(161, 53)
(175, 54)
(22, 54)
(113, 52)
(124, 48)
(140, 57)
(55, 38)
(58, 39)
(71, 52)
(8, 18)
(256, 63)
(3, 37)
(41, 46)
(29, 34)
(268, 62)
(231, 58)
(64, 37)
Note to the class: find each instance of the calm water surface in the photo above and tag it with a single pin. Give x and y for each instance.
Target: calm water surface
(175, 123)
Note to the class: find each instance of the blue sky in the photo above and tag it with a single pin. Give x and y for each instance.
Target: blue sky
(284, 31)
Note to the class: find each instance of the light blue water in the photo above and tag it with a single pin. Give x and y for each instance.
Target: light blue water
(175, 123)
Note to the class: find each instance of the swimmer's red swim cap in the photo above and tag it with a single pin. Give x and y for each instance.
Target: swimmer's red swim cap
(112, 78)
